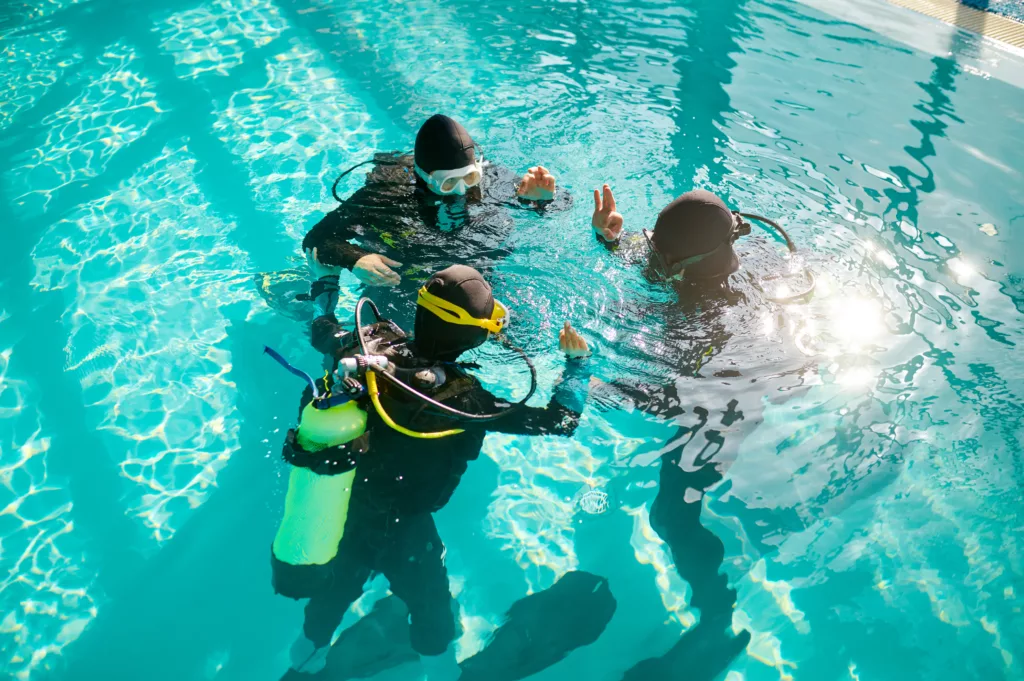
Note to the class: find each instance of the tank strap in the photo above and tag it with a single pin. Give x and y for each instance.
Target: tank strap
(328, 461)
(452, 388)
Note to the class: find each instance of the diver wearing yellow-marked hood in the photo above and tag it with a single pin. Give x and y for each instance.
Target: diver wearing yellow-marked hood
(403, 478)
(443, 334)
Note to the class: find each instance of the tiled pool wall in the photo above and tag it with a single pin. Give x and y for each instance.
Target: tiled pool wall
(1013, 9)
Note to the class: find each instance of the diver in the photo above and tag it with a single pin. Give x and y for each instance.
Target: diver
(443, 204)
(691, 248)
(692, 240)
(369, 471)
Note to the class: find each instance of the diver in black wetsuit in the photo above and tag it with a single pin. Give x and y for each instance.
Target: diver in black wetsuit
(443, 205)
(400, 480)
(691, 241)
(691, 246)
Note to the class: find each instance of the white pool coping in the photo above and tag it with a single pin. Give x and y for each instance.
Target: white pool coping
(933, 26)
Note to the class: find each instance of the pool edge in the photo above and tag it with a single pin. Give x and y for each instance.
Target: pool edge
(988, 24)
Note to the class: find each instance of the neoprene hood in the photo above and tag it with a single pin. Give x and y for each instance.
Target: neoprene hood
(437, 339)
(443, 144)
(695, 223)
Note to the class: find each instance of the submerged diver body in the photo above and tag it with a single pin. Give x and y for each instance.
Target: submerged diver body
(402, 475)
(692, 248)
(442, 205)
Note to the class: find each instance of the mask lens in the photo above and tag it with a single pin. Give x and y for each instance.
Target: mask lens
(501, 314)
(449, 184)
(472, 179)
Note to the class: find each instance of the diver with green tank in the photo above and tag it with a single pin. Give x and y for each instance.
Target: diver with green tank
(382, 442)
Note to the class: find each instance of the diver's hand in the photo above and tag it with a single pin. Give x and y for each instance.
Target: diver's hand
(538, 184)
(606, 221)
(375, 270)
(319, 269)
(571, 342)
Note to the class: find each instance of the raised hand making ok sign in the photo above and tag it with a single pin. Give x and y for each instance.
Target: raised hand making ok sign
(606, 221)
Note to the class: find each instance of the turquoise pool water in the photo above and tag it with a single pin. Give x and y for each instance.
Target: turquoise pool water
(156, 159)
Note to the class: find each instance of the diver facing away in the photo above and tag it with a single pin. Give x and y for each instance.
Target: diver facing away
(394, 457)
(692, 240)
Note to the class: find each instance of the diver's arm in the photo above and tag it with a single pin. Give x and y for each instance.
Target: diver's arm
(662, 401)
(325, 331)
(332, 237)
(562, 414)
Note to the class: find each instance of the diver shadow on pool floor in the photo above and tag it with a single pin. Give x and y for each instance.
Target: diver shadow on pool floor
(538, 631)
(702, 654)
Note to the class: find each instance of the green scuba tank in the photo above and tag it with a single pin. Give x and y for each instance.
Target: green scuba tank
(319, 484)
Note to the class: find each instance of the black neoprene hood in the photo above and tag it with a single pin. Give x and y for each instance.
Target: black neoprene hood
(443, 144)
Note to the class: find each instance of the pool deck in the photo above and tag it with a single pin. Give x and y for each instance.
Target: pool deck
(997, 19)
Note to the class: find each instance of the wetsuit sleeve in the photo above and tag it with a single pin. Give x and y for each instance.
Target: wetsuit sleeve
(662, 401)
(326, 331)
(610, 245)
(332, 237)
(630, 246)
(562, 414)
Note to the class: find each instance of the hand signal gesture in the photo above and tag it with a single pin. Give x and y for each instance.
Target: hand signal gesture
(606, 221)
(572, 343)
(538, 184)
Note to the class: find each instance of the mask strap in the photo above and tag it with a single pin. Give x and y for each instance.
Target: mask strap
(453, 314)
(679, 266)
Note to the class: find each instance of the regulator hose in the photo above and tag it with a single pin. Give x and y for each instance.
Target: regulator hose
(792, 249)
(426, 398)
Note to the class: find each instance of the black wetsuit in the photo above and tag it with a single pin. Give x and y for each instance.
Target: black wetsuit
(397, 217)
(693, 459)
(400, 481)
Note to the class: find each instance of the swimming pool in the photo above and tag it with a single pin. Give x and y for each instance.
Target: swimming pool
(157, 160)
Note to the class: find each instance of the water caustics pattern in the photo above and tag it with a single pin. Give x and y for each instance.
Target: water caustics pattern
(32, 64)
(870, 507)
(142, 341)
(201, 42)
(46, 589)
(293, 132)
(113, 111)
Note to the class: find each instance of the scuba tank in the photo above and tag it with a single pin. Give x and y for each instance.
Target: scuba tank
(323, 460)
(322, 453)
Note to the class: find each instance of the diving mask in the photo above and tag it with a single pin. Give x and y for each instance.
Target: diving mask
(457, 181)
(453, 314)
